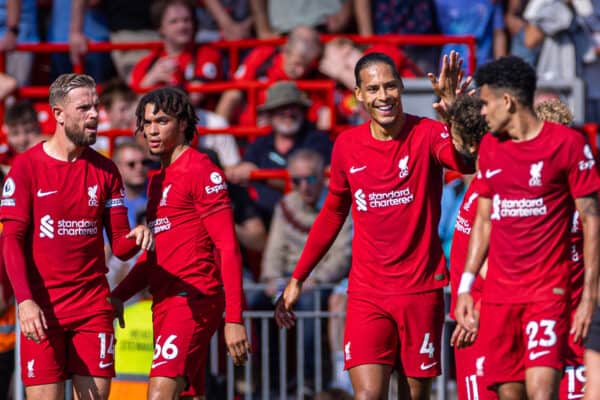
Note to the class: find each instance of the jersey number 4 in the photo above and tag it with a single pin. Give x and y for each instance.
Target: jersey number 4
(427, 347)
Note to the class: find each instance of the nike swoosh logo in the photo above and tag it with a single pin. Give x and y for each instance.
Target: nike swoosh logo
(154, 365)
(489, 174)
(571, 396)
(44, 194)
(535, 356)
(354, 170)
(444, 135)
(425, 367)
(102, 364)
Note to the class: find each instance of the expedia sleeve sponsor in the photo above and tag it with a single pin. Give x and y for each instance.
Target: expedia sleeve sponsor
(215, 188)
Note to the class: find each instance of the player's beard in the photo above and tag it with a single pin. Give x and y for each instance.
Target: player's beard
(78, 137)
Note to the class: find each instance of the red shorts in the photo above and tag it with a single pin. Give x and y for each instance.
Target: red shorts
(470, 370)
(79, 346)
(183, 328)
(403, 331)
(523, 336)
(572, 383)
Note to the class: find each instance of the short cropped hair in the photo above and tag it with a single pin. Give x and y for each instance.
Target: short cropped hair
(309, 155)
(60, 88)
(20, 113)
(116, 89)
(511, 73)
(371, 59)
(465, 117)
(171, 101)
(554, 111)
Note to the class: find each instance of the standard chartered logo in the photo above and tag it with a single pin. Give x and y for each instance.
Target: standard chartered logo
(360, 198)
(514, 208)
(65, 227)
(47, 227)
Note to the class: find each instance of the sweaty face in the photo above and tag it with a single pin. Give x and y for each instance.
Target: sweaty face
(162, 132)
(494, 109)
(380, 92)
(81, 116)
(177, 26)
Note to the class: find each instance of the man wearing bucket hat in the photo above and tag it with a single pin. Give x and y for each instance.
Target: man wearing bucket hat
(286, 113)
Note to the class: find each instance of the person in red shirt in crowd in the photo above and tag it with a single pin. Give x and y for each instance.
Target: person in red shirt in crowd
(58, 198)
(180, 60)
(196, 271)
(395, 289)
(529, 207)
(22, 130)
(297, 59)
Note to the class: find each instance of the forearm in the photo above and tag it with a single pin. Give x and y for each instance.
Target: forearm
(221, 230)
(362, 11)
(323, 233)
(229, 101)
(117, 230)
(590, 218)
(13, 250)
(135, 281)
(261, 17)
(478, 246)
(13, 13)
(500, 43)
(77, 15)
(218, 12)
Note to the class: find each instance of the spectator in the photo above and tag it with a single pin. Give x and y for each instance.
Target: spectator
(377, 17)
(18, 25)
(179, 60)
(22, 130)
(128, 21)
(297, 59)
(8, 85)
(118, 103)
(273, 18)
(223, 144)
(97, 64)
(482, 18)
(292, 220)
(224, 19)
(286, 108)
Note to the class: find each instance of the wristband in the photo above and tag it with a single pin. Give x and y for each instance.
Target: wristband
(466, 282)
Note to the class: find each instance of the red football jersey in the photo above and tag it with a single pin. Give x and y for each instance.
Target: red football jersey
(531, 185)
(202, 64)
(460, 245)
(179, 197)
(66, 206)
(396, 188)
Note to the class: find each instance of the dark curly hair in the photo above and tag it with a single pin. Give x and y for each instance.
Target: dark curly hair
(171, 101)
(511, 73)
(374, 58)
(465, 117)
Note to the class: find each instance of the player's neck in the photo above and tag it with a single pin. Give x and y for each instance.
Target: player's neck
(524, 126)
(168, 159)
(61, 148)
(384, 133)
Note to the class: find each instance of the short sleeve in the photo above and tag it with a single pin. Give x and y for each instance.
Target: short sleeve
(209, 189)
(582, 172)
(338, 181)
(208, 64)
(17, 193)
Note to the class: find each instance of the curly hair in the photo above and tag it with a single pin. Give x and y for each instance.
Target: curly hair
(465, 117)
(511, 73)
(371, 59)
(171, 101)
(554, 111)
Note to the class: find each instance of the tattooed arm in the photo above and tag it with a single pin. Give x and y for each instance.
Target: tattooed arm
(590, 217)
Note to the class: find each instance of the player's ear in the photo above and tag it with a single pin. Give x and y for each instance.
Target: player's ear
(509, 102)
(358, 94)
(59, 114)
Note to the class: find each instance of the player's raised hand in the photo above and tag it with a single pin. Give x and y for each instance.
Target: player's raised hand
(284, 316)
(143, 237)
(582, 319)
(451, 74)
(465, 312)
(33, 322)
(237, 342)
(117, 305)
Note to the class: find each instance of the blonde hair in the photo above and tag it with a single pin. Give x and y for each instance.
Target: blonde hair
(554, 111)
(65, 83)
